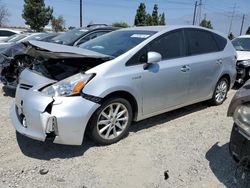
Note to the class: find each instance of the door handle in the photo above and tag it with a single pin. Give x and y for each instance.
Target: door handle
(185, 68)
(219, 61)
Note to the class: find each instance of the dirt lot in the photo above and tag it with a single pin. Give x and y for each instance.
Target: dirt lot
(190, 143)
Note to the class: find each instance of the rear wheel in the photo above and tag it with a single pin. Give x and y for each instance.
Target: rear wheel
(220, 92)
(110, 123)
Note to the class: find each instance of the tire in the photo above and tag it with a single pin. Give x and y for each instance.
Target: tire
(220, 92)
(108, 128)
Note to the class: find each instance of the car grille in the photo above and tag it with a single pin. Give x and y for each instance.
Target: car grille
(25, 86)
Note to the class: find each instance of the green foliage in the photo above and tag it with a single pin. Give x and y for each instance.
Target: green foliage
(206, 23)
(162, 20)
(141, 15)
(155, 16)
(58, 24)
(120, 24)
(142, 18)
(248, 31)
(36, 14)
(231, 36)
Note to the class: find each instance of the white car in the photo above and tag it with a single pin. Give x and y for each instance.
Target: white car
(5, 33)
(242, 46)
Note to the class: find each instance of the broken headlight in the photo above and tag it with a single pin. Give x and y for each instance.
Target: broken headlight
(69, 86)
(242, 117)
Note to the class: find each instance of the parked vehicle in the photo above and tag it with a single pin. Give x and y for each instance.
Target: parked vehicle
(11, 60)
(239, 109)
(123, 76)
(78, 36)
(242, 46)
(5, 33)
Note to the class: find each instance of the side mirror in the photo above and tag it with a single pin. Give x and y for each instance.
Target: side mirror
(153, 57)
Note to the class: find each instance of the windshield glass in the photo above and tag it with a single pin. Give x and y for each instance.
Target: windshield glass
(17, 38)
(70, 36)
(117, 42)
(34, 37)
(241, 44)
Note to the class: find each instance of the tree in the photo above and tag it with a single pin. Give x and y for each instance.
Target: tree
(231, 36)
(162, 20)
(206, 23)
(120, 24)
(248, 31)
(155, 16)
(36, 14)
(149, 20)
(141, 15)
(4, 14)
(58, 24)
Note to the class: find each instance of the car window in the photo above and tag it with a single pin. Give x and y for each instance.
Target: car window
(221, 41)
(241, 44)
(170, 45)
(6, 33)
(91, 36)
(200, 42)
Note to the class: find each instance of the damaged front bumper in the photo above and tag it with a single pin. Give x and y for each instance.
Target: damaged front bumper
(40, 117)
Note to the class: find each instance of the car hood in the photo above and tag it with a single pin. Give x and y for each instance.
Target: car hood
(243, 55)
(54, 51)
(241, 96)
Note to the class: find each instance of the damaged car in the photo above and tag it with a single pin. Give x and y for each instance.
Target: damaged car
(239, 109)
(126, 75)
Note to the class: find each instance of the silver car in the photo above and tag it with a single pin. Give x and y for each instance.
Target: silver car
(124, 76)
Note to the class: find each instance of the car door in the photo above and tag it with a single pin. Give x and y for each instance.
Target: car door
(165, 84)
(205, 62)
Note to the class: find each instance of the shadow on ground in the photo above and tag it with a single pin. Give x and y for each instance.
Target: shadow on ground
(10, 92)
(223, 167)
(48, 150)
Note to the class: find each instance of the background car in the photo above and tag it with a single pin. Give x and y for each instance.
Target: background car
(242, 46)
(126, 75)
(239, 109)
(5, 33)
(77, 36)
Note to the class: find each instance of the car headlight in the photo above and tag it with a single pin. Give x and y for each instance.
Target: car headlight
(242, 117)
(69, 86)
(245, 63)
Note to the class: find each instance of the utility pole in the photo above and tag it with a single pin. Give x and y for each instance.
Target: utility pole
(80, 13)
(194, 12)
(200, 12)
(231, 23)
(243, 19)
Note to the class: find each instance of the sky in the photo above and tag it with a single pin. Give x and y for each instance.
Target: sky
(109, 11)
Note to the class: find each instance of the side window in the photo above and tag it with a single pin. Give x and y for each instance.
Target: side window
(221, 41)
(170, 46)
(91, 36)
(200, 42)
(6, 33)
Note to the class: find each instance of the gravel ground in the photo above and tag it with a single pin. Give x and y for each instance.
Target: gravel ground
(190, 143)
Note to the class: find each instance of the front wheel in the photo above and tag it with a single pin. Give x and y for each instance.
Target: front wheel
(111, 121)
(220, 92)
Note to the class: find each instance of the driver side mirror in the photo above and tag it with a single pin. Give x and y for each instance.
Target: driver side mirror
(152, 58)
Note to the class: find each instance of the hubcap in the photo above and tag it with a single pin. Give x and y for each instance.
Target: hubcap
(112, 121)
(221, 91)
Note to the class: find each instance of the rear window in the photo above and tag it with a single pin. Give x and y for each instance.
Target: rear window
(200, 42)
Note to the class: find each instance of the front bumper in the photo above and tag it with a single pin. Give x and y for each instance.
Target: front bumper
(71, 113)
(239, 145)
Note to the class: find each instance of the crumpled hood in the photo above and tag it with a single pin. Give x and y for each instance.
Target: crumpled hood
(240, 97)
(243, 55)
(52, 50)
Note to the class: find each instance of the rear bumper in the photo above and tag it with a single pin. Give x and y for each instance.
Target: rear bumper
(71, 114)
(239, 145)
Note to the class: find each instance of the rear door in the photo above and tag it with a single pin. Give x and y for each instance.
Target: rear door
(205, 62)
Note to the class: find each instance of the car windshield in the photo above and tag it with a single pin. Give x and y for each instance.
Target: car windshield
(241, 44)
(117, 42)
(70, 36)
